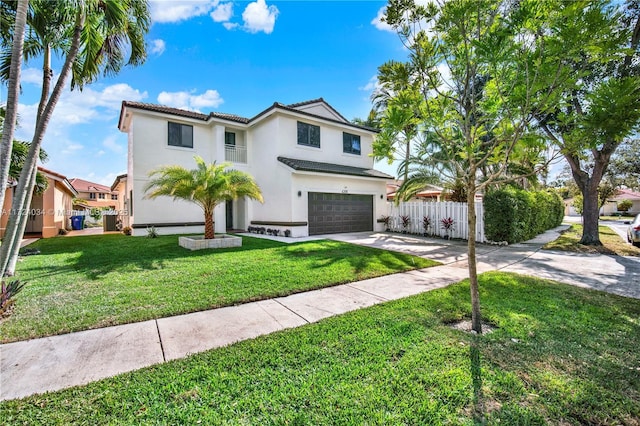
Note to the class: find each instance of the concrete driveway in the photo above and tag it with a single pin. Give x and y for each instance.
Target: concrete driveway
(614, 274)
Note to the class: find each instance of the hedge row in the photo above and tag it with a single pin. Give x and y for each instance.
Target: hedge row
(515, 215)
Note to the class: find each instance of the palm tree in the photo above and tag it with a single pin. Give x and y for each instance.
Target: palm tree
(207, 186)
(13, 78)
(93, 37)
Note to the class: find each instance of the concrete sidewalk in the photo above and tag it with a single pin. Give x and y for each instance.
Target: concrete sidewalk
(58, 362)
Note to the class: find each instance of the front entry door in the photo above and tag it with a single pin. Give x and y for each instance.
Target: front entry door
(229, 211)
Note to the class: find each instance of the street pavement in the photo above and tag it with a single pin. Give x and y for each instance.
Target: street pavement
(58, 362)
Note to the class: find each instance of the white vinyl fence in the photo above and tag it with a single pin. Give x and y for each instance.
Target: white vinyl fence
(436, 211)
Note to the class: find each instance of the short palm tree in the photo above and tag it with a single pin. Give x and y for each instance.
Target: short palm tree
(207, 186)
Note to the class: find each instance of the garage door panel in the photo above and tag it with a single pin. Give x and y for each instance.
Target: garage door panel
(335, 213)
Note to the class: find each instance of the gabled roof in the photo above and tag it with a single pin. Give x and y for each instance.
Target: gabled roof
(117, 180)
(315, 166)
(85, 186)
(238, 119)
(60, 178)
(626, 194)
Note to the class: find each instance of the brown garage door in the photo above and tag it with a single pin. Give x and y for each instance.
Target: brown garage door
(335, 213)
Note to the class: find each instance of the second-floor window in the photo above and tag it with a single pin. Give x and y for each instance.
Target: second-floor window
(351, 143)
(92, 195)
(180, 135)
(114, 196)
(101, 196)
(308, 135)
(229, 138)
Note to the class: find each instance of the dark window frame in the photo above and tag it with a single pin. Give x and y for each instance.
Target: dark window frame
(114, 196)
(347, 143)
(178, 137)
(227, 137)
(306, 133)
(92, 195)
(101, 196)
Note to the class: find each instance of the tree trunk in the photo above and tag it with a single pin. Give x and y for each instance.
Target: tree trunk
(590, 215)
(476, 318)
(22, 224)
(13, 92)
(19, 208)
(209, 225)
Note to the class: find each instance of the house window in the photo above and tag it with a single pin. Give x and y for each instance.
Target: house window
(351, 143)
(180, 135)
(92, 195)
(308, 135)
(101, 196)
(114, 196)
(229, 138)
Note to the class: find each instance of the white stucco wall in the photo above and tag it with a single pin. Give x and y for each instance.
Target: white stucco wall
(151, 150)
(273, 135)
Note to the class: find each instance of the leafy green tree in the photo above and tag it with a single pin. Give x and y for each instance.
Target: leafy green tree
(94, 38)
(597, 108)
(477, 72)
(624, 167)
(207, 186)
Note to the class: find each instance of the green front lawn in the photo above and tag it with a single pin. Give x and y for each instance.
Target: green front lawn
(78, 283)
(611, 242)
(560, 355)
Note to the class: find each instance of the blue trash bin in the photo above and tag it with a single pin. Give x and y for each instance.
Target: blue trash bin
(76, 222)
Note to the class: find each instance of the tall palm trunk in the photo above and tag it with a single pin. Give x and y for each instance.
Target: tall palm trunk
(22, 224)
(209, 225)
(13, 92)
(24, 191)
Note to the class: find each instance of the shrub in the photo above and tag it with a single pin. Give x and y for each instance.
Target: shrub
(152, 232)
(426, 223)
(624, 205)
(7, 291)
(406, 221)
(287, 232)
(386, 220)
(515, 215)
(447, 225)
(126, 230)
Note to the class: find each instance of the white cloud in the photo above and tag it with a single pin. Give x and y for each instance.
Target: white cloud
(31, 75)
(222, 13)
(230, 25)
(259, 17)
(111, 143)
(379, 24)
(373, 84)
(158, 46)
(166, 11)
(190, 100)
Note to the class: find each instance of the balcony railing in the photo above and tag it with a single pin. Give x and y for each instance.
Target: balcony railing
(235, 154)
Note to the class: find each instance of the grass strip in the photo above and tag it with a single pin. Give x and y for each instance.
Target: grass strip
(78, 283)
(559, 355)
(611, 243)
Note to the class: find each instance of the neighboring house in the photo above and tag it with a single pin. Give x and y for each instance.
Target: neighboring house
(313, 166)
(611, 206)
(95, 195)
(119, 188)
(50, 211)
(429, 193)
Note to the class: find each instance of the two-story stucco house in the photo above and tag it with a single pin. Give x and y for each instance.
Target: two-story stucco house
(313, 166)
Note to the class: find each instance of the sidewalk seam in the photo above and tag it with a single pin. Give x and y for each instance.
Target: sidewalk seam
(164, 358)
(384, 299)
(291, 310)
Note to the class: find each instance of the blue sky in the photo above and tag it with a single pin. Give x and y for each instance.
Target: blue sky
(234, 57)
